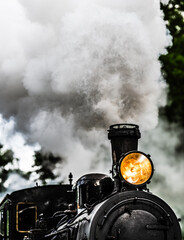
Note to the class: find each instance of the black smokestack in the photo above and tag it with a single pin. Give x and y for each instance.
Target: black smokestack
(124, 138)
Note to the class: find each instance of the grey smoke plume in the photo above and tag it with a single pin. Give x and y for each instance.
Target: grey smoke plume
(69, 69)
(162, 143)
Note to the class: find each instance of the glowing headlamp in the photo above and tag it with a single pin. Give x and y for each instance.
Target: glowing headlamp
(136, 168)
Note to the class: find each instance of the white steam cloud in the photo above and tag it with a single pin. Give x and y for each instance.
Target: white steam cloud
(69, 69)
(162, 143)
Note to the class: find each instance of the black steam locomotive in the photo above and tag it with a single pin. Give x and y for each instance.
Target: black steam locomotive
(97, 207)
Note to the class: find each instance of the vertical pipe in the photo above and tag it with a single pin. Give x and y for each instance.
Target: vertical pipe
(124, 138)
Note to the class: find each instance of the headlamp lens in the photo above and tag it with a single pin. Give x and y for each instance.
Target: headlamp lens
(136, 168)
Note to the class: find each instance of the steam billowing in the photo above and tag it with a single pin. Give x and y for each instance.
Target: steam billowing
(162, 143)
(69, 69)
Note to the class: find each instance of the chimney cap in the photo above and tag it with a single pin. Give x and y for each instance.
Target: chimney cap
(124, 130)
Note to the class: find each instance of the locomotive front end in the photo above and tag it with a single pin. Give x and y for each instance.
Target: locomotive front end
(130, 212)
(133, 215)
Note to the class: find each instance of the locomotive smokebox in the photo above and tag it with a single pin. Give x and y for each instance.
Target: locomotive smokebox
(124, 138)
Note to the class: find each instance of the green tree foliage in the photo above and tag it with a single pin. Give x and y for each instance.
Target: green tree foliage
(173, 65)
(8, 165)
(173, 62)
(6, 158)
(46, 163)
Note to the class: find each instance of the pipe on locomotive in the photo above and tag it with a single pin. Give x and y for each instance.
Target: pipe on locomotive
(124, 138)
(131, 169)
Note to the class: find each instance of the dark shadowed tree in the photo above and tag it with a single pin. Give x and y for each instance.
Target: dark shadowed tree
(46, 163)
(7, 166)
(173, 62)
(173, 66)
(6, 158)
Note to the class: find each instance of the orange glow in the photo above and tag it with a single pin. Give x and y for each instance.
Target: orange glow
(136, 168)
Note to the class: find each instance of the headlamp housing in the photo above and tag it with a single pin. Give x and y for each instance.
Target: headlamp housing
(136, 168)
